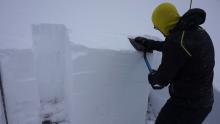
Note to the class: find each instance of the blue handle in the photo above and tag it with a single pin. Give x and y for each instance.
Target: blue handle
(147, 62)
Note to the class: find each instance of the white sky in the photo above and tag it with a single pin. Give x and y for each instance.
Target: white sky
(95, 23)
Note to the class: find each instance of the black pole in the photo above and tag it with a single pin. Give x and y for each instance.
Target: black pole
(190, 4)
(3, 99)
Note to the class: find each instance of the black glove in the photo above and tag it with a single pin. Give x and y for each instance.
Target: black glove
(154, 84)
(144, 44)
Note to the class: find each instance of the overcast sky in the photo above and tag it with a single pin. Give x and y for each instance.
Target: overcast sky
(96, 23)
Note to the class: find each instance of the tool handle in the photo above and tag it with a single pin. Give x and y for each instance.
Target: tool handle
(147, 62)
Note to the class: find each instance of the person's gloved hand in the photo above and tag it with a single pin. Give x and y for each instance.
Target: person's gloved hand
(144, 44)
(154, 84)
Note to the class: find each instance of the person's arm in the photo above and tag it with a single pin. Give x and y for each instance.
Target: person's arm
(158, 45)
(173, 58)
(149, 44)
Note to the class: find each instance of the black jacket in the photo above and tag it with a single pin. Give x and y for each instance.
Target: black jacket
(187, 62)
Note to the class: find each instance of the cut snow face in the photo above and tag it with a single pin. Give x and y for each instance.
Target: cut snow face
(100, 86)
(108, 87)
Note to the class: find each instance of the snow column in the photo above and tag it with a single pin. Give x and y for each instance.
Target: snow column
(109, 87)
(53, 61)
(50, 42)
(20, 87)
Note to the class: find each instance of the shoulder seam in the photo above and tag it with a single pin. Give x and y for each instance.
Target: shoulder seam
(182, 45)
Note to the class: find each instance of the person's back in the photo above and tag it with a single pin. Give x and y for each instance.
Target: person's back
(194, 80)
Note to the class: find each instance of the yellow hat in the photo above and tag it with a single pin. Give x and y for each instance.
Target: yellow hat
(165, 17)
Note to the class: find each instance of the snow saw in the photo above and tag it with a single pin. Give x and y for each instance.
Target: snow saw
(139, 48)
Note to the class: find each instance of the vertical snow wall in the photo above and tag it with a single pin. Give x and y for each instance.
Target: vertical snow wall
(20, 87)
(100, 86)
(108, 87)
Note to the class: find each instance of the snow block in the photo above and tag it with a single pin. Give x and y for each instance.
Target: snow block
(53, 68)
(108, 87)
(20, 87)
(50, 41)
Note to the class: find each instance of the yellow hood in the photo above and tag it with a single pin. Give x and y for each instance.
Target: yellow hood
(165, 17)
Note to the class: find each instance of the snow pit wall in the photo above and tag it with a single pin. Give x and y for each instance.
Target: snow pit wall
(102, 86)
(20, 87)
(108, 87)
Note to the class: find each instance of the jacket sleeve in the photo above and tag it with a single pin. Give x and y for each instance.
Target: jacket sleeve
(173, 59)
(158, 45)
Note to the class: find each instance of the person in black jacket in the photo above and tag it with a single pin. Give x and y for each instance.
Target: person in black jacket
(187, 64)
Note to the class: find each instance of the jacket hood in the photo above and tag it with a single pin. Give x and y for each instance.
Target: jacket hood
(192, 18)
(165, 17)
